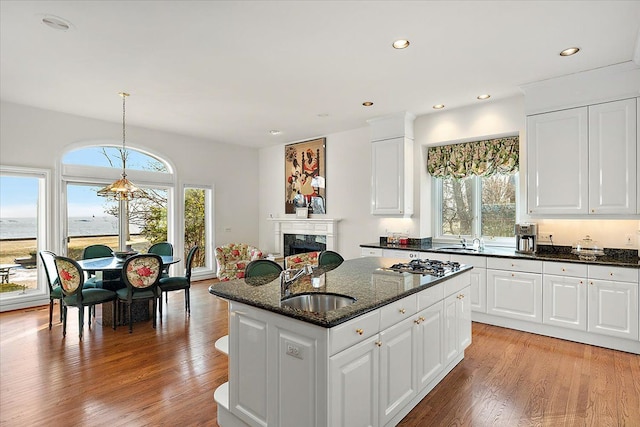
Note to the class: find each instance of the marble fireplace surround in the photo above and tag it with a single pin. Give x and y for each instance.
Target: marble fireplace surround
(310, 226)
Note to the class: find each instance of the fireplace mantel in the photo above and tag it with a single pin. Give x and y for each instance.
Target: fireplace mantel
(313, 226)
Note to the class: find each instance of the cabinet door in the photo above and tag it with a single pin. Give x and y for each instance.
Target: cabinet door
(429, 344)
(612, 157)
(565, 301)
(392, 177)
(451, 331)
(463, 318)
(514, 294)
(557, 164)
(353, 385)
(613, 308)
(478, 292)
(397, 369)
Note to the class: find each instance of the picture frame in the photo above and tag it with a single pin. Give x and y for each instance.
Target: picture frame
(302, 212)
(304, 164)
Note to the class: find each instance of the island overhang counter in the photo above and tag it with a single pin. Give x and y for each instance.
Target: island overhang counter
(368, 363)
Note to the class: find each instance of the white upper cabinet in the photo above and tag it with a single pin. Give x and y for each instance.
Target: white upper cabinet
(583, 160)
(612, 158)
(557, 162)
(392, 165)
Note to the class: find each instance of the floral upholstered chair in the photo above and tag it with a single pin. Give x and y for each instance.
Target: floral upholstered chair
(300, 260)
(233, 258)
(141, 274)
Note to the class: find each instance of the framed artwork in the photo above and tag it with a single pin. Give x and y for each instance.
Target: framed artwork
(305, 176)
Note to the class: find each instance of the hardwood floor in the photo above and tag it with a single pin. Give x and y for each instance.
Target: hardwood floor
(166, 377)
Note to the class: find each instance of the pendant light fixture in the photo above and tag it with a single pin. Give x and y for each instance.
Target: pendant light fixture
(122, 189)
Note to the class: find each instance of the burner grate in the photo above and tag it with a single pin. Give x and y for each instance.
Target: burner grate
(427, 266)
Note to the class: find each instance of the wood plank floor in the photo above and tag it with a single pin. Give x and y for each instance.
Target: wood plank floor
(166, 377)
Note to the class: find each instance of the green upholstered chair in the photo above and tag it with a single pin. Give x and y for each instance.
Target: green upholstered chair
(162, 248)
(262, 267)
(141, 274)
(95, 251)
(330, 257)
(71, 279)
(55, 291)
(300, 260)
(176, 283)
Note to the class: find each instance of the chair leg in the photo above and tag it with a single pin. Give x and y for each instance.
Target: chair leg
(130, 317)
(81, 320)
(187, 299)
(155, 307)
(113, 316)
(160, 304)
(64, 321)
(60, 310)
(50, 312)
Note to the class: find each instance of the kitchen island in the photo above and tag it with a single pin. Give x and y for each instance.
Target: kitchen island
(367, 363)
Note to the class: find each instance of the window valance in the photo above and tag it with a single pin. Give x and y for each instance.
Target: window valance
(482, 158)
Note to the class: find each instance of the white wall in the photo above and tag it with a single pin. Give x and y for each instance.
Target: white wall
(32, 137)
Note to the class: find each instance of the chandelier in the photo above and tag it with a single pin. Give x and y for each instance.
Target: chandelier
(122, 189)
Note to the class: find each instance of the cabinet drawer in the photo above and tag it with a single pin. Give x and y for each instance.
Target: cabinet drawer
(398, 253)
(430, 296)
(353, 331)
(476, 261)
(371, 252)
(397, 311)
(515, 264)
(620, 274)
(564, 269)
(457, 283)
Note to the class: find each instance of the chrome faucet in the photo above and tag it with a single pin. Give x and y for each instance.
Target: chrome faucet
(286, 279)
(463, 242)
(476, 243)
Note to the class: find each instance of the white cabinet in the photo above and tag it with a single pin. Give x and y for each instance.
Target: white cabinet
(613, 301)
(353, 385)
(557, 162)
(514, 289)
(397, 253)
(429, 343)
(583, 160)
(478, 292)
(398, 379)
(612, 157)
(565, 295)
(392, 177)
(457, 313)
(370, 252)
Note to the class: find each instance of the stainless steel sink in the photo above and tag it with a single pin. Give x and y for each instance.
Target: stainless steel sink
(317, 302)
(458, 249)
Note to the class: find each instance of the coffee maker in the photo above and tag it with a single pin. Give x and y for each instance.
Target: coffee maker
(526, 235)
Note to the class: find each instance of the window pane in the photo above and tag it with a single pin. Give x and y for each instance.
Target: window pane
(18, 235)
(499, 205)
(195, 225)
(148, 219)
(457, 202)
(110, 157)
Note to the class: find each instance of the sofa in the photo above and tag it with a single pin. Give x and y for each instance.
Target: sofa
(233, 258)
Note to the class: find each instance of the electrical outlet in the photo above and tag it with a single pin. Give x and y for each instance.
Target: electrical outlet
(629, 240)
(545, 237)
(294, 350)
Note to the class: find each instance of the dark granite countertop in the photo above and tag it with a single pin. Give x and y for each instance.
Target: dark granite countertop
(355, 278)
(612, 257)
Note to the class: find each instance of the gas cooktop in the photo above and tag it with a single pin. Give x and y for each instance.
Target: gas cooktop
(426, 266)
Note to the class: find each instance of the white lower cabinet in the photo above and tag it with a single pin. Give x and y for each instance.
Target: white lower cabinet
(429, 343)
(457, 313)
(565, 301)
(353, 385)
(613, 301)
(478, 292)
(514, 294)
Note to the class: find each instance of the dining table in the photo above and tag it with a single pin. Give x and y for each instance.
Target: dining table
(111, 271)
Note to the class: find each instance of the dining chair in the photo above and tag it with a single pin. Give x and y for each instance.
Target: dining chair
(55, 291)
(162, 248)
(330, 257)
(71, 279)
(176, 283)
(262, 267)
(300, 260)
(141, 274)
(95, 251)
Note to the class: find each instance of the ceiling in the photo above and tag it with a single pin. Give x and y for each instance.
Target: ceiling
(231, 71)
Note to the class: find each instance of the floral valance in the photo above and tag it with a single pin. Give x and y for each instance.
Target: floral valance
(482, 158)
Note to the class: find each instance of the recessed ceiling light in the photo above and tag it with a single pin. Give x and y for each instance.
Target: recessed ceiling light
(484, 96)
(438, 107)
(56, 23)
(323, 115)
(570, 51)
(400, 44)
(275, 132)
(367, 103)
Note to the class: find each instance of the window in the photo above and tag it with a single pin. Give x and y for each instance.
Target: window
(198, 227)
(475, 188)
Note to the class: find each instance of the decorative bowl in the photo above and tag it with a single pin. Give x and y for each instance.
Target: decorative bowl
(122, 256)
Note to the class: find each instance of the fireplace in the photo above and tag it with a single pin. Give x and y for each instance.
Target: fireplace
(305, 235)
(300, 243)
